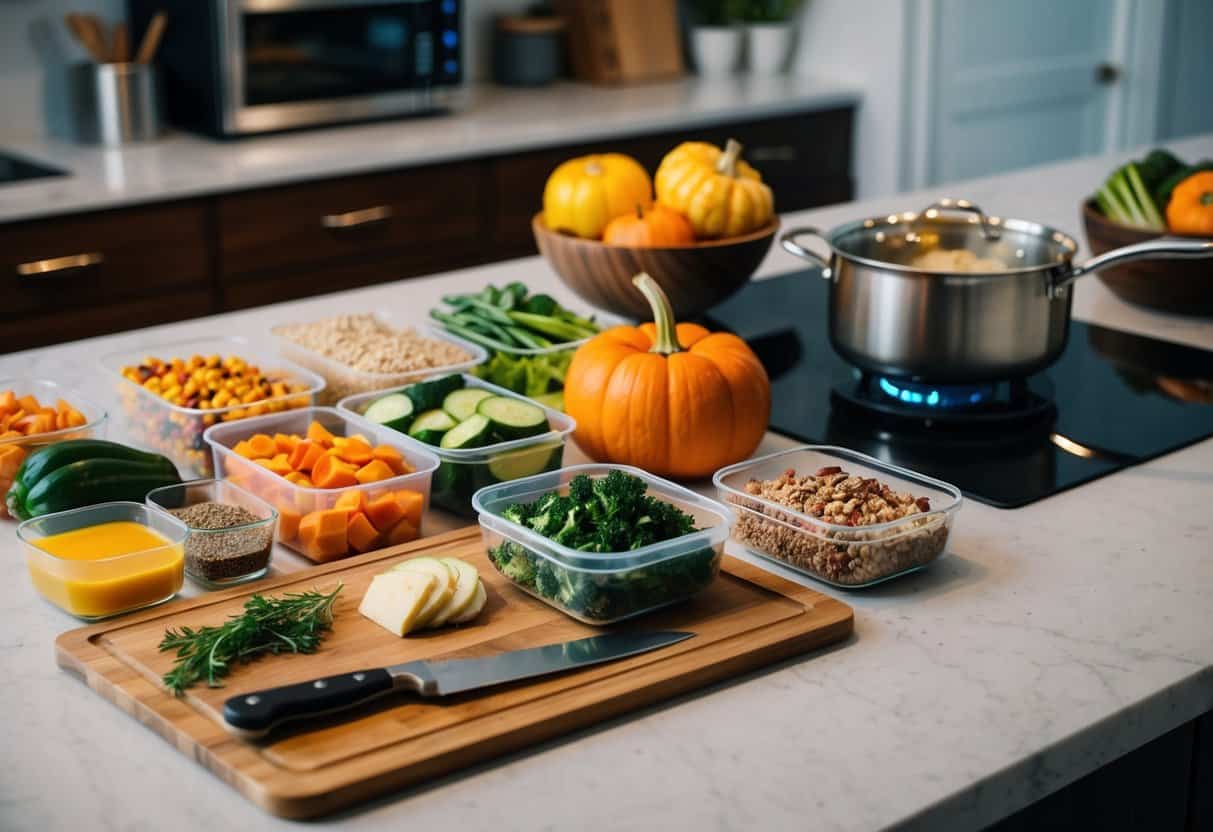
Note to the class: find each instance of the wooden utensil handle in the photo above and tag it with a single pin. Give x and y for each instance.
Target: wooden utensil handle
(254, 714)
(151, 38)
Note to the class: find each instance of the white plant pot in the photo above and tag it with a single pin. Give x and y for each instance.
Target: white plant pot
(717, 49)
(770, 46)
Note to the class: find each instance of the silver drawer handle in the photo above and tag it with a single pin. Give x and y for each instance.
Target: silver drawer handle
(352, 219)
(51, 265)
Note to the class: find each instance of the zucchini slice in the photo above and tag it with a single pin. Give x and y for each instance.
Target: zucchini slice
(431, 426)
(472, 432)
(394, 411)
(428, 395)
(462, 403)
(524, 463)
(512, 418)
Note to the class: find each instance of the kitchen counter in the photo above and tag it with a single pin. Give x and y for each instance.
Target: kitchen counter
(490, 120)
(1048, 641)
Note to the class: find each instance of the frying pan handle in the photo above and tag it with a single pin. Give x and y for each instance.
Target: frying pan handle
(988, 231)
(1162, 249)
(788, 241)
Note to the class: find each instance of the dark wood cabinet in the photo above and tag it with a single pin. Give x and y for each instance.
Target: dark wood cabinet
(71, 277)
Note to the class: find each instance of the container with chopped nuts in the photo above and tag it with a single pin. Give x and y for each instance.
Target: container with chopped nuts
(839, 516)
(365, 352)
(231, 532)
(171, 393)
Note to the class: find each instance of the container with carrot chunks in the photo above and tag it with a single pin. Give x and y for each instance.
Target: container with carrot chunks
(37, 412)
(341, 487)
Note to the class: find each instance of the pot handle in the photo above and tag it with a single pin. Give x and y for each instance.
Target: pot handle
(788, 241)
(988, 231)
(1164, 249)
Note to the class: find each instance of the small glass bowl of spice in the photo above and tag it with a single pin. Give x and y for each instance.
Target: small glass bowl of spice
(231, 531)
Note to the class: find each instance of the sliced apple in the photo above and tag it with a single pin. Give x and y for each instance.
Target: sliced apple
(395, 599)
(473, 608)
(446, 578)
(465, 591)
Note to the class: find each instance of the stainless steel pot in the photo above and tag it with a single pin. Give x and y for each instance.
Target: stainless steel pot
(891, 317)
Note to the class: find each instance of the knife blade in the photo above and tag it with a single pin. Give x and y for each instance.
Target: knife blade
(255, 714)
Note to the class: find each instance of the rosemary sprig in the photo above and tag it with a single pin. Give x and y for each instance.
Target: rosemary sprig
(294, 623)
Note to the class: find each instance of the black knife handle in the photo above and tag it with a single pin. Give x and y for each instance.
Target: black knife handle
(254, 714)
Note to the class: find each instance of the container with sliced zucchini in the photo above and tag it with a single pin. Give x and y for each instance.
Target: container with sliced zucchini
(481, 433)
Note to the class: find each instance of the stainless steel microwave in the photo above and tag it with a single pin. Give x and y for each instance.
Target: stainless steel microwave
(238, 67)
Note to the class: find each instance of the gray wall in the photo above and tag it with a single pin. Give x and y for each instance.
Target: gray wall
(1186, 104)
(35, 46)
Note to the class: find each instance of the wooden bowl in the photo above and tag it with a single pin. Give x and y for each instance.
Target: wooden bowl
(696, 277)
(1183, 286)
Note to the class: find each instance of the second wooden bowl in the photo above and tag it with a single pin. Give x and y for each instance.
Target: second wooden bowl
(695, 277)
(1183, 286)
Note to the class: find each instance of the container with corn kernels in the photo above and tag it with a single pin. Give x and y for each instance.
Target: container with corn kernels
(171, 393)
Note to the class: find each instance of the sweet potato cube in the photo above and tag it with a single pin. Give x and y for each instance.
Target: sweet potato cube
(330, 472)
(402, 532)
(305, 455)
(11, 457)
(8, 402)
(243, 448)
(393, 458)
(412, 504)
(356, 452)
(319, 434)
(323, 534)
(288, 524)
(384, 512)
(29, 404)
(353, 502)
(285, 442)
(374, 471)
(279, 465)
(361, 534)
(262, 446)
(299, 478)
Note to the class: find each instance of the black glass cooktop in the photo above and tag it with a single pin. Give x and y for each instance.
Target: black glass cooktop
(16, 169)
(1112, 400)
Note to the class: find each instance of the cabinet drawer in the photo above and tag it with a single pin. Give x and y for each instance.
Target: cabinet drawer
(356, 217)
(103, 258)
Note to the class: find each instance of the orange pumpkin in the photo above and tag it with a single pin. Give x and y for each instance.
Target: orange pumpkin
(673, 399)
(1190, 210)
(653, 227)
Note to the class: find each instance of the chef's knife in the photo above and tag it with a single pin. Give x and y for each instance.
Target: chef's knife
(254, 714)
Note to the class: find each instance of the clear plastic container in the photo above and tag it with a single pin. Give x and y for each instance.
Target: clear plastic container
(294, 502)
(603, 588)
(465, 470)
(96, 589)
(176, 431)
(342, 380)
(231, 555)
(849, 557)
(48, 393)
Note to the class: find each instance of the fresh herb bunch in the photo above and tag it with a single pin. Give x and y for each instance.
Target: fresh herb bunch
(718, 12)
(513, 318)
(769, 11)
(294, 623)
(610, 514)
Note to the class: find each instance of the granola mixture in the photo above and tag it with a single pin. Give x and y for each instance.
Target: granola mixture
(841, 499)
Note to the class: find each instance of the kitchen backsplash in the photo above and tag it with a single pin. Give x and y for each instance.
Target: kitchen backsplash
(34, 47)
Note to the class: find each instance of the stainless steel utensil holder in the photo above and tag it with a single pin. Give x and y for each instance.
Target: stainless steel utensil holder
(115, 104)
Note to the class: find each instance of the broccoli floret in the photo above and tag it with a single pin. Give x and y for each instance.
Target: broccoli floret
(518, 513)
(570, 533)
(519, 569)
(546, 582)
(581, 489)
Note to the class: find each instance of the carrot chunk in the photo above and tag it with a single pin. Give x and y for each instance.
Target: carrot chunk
(330, 472)
(384, 512)
(393, 458)
(319, 434)
(262, 446)
(361, 534)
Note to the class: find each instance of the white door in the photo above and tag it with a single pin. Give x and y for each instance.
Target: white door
(1015, 83)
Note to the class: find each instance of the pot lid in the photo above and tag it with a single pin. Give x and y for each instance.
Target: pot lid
(952, 236)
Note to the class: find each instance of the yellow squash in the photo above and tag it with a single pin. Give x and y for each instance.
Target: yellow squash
(720, 194)
(584, 194)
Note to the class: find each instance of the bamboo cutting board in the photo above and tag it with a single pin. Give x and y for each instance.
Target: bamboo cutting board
(746, 619)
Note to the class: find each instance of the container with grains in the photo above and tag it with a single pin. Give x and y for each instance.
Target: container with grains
(364, 352)
(839, 516)
(231, 531)
(171, 393)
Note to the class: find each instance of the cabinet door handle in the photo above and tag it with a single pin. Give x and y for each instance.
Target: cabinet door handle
(353, 219)
(775, 153)
(51, 265)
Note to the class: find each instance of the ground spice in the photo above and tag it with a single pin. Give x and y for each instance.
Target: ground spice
(218, 556)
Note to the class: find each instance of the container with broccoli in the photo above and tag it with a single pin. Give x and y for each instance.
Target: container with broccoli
(603, 542)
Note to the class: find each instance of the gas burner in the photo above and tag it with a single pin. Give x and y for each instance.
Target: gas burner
(1025, 401)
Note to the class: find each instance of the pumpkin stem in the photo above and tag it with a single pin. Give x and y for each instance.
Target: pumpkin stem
(639, 211)
(666, 342)
(727, 163)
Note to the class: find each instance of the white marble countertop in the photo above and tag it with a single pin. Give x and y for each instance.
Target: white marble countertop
(489, 121)
(1049, 640)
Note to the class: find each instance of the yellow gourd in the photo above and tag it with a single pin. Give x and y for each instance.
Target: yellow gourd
(584, 194)
(720, 194)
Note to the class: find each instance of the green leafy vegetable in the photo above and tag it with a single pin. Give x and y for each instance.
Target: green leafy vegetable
(512, 319)
(609, 515)
(1124, 198)
(294, 623)
(530, 375)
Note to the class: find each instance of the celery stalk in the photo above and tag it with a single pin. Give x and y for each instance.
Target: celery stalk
(1149, 210)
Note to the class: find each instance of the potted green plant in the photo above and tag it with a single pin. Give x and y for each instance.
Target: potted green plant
(717, 38)
(770, 30)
